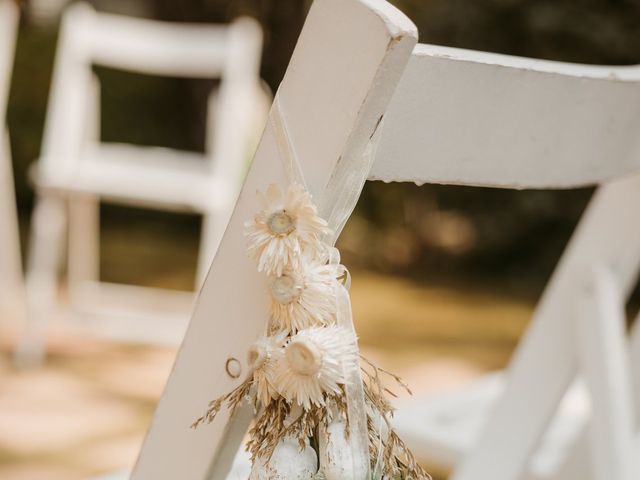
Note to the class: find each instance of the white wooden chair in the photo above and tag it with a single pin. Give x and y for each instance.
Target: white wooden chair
(11, 282)
(46, 12)
(76, 171)
(553, 125)
(459, 118)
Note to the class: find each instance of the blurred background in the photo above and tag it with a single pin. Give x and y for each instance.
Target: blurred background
(444, 278)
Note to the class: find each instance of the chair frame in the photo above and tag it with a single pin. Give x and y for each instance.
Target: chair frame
(557, 123)
(11, 278)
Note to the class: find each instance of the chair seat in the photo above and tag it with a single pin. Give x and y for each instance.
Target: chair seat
(130, 313)
(144, 176)
(442, 428)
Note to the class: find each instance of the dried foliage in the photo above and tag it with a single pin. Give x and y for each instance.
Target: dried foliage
(275, 423)
(385, 446)
(298, 374)
(269, 428)
(306, 424)
(232, 400)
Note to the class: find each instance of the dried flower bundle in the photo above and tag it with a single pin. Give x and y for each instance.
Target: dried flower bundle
(298, 379)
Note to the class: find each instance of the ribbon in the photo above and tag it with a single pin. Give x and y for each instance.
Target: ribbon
(336, 203)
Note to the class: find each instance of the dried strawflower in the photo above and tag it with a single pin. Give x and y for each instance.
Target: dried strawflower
(262, 358)
(311, 367)
(286, 224)
(298, 384)
(305, 297)
(231, 400)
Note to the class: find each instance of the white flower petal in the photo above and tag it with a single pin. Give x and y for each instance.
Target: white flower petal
(312, 297)
(280, 249)
(312, 364)
(263, 356)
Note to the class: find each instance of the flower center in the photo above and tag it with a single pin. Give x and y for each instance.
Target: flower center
(286, 288)
(257, 356)
(281, 223)
(303, 358)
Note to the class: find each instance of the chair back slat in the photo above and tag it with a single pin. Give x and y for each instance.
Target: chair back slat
(474, 118)
(145, 46)
(149, 47)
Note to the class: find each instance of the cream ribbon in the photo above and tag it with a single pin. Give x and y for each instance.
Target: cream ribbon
(337, 202)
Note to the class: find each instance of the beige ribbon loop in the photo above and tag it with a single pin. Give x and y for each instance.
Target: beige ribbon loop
(336, 204)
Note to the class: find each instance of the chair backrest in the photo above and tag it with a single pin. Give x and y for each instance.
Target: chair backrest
(472, 118)
(475, 118)
(455, 117)
(231, 53)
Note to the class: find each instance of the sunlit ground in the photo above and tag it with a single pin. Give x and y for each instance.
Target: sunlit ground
(86, 410)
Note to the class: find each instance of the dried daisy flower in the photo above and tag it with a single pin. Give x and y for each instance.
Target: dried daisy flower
(311, 366)
(286, 224)
(305, 297)
(262, 358)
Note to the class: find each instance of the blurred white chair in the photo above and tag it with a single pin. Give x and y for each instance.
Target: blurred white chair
(45, 12)
(76, 171)
(11, 281)
(456, 117)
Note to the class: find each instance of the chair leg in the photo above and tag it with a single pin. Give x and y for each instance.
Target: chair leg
(634, 349)
(604, 361)
(574, 465)
(547, 358)
(10, 261)
(635, 467)
(83, 259)
(602, 348)
(47, 231)
(537, 380)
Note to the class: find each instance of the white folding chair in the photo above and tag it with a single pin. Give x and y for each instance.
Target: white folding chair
(45, 12)
(11, 282)
(456, 117)
(76, 171)
(529, 123)
(348, 60)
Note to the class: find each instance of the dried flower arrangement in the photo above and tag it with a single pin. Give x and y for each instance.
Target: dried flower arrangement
(299, 380)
